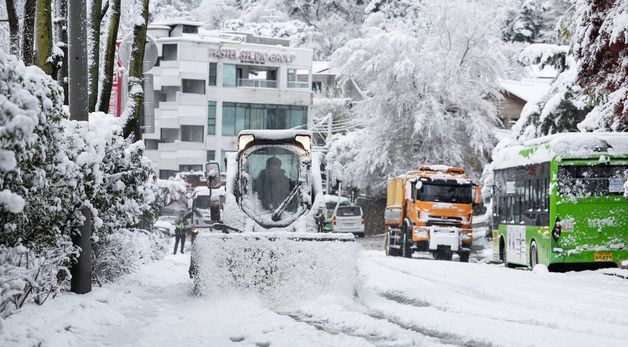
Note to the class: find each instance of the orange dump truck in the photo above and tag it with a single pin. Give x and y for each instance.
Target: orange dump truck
(430, 210)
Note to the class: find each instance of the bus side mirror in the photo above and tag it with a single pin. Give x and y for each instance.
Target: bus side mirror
(212, 173)
(477, 195)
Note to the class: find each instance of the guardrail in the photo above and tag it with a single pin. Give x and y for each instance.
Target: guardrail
(298, 85)
(245, 82)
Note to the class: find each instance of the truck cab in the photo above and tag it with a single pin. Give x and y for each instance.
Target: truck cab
(431, 210)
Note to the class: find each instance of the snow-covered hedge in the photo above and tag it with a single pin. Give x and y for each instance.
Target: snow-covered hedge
(51, 168)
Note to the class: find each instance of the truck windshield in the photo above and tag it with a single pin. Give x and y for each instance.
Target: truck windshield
(459, 194)
(273, 173)
(583, 181)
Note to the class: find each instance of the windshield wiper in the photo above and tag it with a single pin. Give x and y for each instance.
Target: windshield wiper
(284, 204)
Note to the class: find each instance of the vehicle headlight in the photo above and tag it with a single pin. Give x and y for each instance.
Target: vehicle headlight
(421, 232)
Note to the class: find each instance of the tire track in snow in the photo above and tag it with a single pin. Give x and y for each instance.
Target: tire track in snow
(329, 328)
(460, 289)
(403, 299)
(442, 337)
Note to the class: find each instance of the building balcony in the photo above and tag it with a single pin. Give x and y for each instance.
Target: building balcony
(251, 83)
(298, 85)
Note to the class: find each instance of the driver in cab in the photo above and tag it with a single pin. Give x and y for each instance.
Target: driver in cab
(272, 185)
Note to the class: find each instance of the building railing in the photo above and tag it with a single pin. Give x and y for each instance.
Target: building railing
(245, 82)
(298, 85)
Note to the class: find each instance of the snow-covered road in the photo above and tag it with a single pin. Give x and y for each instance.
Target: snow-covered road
(401, 302)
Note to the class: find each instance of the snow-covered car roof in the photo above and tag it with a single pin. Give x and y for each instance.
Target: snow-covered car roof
(561, 146)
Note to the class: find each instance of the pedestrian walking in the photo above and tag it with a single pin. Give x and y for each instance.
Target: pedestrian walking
(320, 220)
(179, 233)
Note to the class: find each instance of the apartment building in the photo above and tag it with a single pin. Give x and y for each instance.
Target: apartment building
(208, 86)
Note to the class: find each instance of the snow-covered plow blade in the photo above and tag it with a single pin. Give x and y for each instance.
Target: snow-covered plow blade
(278, 266)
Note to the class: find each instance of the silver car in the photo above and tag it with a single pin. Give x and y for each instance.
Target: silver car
(348, 219)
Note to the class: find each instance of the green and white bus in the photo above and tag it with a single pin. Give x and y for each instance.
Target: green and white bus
(562, 201)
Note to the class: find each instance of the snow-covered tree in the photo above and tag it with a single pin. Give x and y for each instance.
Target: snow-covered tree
(321, 25)
(600, 43)
(563, 107)
(525, 21)
(427, 89)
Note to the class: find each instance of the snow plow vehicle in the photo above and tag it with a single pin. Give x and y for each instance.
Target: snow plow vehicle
(267, 235)
(430, 210)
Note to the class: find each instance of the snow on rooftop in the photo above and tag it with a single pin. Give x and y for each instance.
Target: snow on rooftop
(527, 89)
(322, 67)
(545, 72)
(561, 146)
(173, 22)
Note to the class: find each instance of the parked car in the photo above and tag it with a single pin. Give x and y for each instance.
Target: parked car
(331, 202)
(348, 219)
(165, 225)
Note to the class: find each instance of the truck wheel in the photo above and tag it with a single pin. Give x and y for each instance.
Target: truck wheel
(534, 255)
(406, 250)
(464, 257)
(389, 251)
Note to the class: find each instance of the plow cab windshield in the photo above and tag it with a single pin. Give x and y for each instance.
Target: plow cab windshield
(273, 184)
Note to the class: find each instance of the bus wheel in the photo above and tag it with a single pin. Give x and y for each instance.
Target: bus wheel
(534, 255)
(502, 250)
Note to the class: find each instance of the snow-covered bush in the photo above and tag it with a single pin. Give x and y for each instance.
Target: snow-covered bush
(51, 169)
(123, 251)
(38, 180)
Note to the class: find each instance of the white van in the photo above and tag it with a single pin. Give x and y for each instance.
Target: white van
(348, 219)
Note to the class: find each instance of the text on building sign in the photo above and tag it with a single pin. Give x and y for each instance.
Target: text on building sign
(251, 55)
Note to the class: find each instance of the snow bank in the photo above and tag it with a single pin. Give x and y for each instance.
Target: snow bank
(281, 271)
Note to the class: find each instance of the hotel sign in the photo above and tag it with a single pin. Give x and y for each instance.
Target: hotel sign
(251, 56)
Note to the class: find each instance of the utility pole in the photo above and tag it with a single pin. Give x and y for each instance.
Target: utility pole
(78, 87)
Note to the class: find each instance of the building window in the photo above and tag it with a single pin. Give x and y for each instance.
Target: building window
(212, 74)
(192, 133)
(211, 155)
(228, 75)
(193, 86)
(165, 174)
(169, 52)
(151, 144)
(317, 87)
(169, 135)
(190, 29)
(190, 168)
(211, 118)
(237, 117)
(292, 75)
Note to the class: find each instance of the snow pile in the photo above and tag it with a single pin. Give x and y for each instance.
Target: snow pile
(278, 269)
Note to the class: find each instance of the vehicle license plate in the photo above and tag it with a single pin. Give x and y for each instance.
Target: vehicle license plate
(615, 185)
(603, 256)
